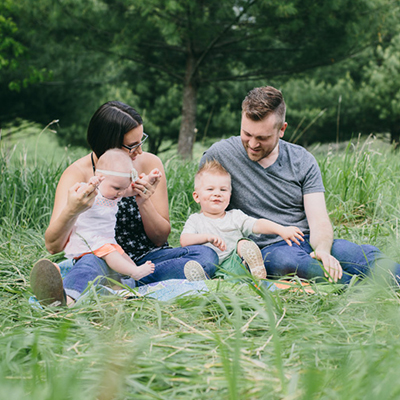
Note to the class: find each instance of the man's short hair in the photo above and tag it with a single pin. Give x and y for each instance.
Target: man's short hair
(264, 101)
(212, 167)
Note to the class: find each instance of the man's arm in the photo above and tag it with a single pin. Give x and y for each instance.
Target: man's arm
(321, 234)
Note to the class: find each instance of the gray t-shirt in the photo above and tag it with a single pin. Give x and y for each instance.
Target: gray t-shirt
(233, 226)
(276, 192)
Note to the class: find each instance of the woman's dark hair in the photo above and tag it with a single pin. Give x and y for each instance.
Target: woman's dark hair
(109, 125)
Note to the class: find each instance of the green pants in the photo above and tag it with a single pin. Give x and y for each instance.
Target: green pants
(233, 266)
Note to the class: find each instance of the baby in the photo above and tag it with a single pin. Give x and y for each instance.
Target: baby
(94, 230)
(226, 231)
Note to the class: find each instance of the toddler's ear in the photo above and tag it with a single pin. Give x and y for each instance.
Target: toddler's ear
(196, 197)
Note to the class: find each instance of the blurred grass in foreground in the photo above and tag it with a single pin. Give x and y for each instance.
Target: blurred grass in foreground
(230, 343)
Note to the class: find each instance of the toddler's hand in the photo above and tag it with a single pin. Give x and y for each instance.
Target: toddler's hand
(292, 234)
(217, 242)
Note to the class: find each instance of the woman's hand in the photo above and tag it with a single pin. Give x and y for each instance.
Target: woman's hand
(69, 203)
(152, 197)
(81, 195)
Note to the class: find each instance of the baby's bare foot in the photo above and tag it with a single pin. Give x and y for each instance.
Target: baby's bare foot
(143, 270)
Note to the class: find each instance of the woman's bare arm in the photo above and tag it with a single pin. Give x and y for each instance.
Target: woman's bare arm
(69, 202)
(153, 204)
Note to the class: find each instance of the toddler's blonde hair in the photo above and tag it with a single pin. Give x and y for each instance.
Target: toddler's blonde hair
(210, 167)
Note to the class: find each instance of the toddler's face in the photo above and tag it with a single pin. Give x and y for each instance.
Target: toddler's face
(114, 187)
(213, 193)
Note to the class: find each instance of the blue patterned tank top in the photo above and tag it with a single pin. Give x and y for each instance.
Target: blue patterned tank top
(129, 230)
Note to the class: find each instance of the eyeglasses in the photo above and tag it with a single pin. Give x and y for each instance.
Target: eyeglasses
(136, 146)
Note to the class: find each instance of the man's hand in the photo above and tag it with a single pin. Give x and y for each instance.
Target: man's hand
(333, 269)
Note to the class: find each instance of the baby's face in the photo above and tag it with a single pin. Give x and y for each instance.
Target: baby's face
(213, 193)
(114, 187)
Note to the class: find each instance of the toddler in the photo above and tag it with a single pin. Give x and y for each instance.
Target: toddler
(227, 231)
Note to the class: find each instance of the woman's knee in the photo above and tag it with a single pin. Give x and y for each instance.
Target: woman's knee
(92, 263)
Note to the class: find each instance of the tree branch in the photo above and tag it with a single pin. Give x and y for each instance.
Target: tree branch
(218, 37)
(259, 74)
(143, 62)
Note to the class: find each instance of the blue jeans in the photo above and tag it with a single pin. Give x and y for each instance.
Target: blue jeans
(280, 259)
(169, 264)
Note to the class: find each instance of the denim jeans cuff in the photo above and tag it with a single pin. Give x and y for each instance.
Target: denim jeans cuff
(73, 294)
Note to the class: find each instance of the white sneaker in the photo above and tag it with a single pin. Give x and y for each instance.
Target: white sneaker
(251, 253)
(194, 271)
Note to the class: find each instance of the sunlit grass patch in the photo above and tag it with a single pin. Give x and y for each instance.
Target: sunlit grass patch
(232, 342)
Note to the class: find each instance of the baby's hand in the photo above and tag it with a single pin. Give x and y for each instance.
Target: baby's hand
(145, 186)
(153, 176)
(95, 180)
(291, 234)
(92, 184)
(217, 242)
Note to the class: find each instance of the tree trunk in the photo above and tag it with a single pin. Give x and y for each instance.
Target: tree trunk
(154, 143)
(395, 135)
(187, 132)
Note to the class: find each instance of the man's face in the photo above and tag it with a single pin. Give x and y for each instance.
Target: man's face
(260, 138)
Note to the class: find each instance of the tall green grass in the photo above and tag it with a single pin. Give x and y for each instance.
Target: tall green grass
(362, 193)
(234, 342)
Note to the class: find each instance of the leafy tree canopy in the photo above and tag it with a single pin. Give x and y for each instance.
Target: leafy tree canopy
(173, 54)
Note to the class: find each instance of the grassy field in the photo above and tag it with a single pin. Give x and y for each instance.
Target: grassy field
(233, 342)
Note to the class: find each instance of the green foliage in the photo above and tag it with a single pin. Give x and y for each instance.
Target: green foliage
(82, 54)
(381, 88)
(57, 80)
(13, 53)
(359, 95)
(180, 188)
(10, 49)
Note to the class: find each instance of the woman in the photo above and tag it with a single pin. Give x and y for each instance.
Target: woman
(142, 221)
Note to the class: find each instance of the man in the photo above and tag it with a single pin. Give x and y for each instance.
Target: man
(282, 182)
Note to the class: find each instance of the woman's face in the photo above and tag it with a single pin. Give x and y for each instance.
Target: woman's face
(132, 139)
